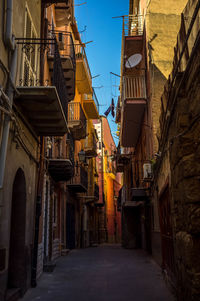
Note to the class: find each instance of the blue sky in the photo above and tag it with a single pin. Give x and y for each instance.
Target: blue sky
(95, 20)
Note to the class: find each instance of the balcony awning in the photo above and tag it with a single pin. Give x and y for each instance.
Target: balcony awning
(90, 109)
(60, 12)
(42, 109)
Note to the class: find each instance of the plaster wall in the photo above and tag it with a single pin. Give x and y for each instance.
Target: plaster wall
(18, 158)
(22, 146)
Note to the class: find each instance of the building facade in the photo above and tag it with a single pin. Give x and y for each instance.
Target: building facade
(48, 144)
(110, 183)
(152, 203)
(178, 193)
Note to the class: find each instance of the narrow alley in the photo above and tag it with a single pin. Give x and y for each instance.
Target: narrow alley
(100, 150)
(103, 273)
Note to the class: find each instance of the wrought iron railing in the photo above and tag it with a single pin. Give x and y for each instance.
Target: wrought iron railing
(81, 55)
(55, 148)
(75, 113)
(133, 25)
(70, 147)
(80, 177)
(30, 52)
(65, 44)
(134, 87)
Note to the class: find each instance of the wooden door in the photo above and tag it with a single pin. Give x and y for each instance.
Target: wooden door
(166, 231)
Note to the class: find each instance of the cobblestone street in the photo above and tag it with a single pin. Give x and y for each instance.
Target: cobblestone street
(105, 273)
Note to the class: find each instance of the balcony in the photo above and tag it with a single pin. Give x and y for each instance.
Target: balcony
(123, 157)
(93, 189)
(133, 43)
(77, 121)
(50, 2)
(133, 25)
(133, 107)
(79, 182)
(90, 147)
(43, 107)
(64, 12)
(91, 105)
(138, 197)
(54, 1)
(61, 167)
(83, 74)
(68, 61)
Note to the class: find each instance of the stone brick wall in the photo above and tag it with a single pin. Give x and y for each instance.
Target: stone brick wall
(180, 140)
(185, 166)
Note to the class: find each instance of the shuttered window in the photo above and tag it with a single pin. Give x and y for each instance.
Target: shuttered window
(30, 56)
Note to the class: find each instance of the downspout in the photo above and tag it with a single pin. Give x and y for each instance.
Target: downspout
(9, 38)
(10, 44)
(38, 211)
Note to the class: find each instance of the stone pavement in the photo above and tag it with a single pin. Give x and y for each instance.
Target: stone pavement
(104, 273)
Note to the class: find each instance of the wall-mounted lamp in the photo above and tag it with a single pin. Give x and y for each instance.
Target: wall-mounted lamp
(81, 156)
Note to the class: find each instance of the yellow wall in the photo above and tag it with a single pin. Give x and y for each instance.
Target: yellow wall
(162, 25)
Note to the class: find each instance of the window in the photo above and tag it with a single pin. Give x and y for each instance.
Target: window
(30, 55)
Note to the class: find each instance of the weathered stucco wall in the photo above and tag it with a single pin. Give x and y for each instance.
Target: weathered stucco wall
(162, 26)
(22, 150)
(18, 158)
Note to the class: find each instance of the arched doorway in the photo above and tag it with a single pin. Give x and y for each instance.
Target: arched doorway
(17, 272)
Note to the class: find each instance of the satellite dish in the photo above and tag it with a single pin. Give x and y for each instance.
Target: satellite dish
(133, 60)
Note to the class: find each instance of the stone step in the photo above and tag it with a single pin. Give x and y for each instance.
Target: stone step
(13, 294)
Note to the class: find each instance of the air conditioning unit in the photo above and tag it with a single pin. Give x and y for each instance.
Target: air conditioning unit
(147, 171)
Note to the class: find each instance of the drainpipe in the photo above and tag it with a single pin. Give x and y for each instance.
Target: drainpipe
(9, 38)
